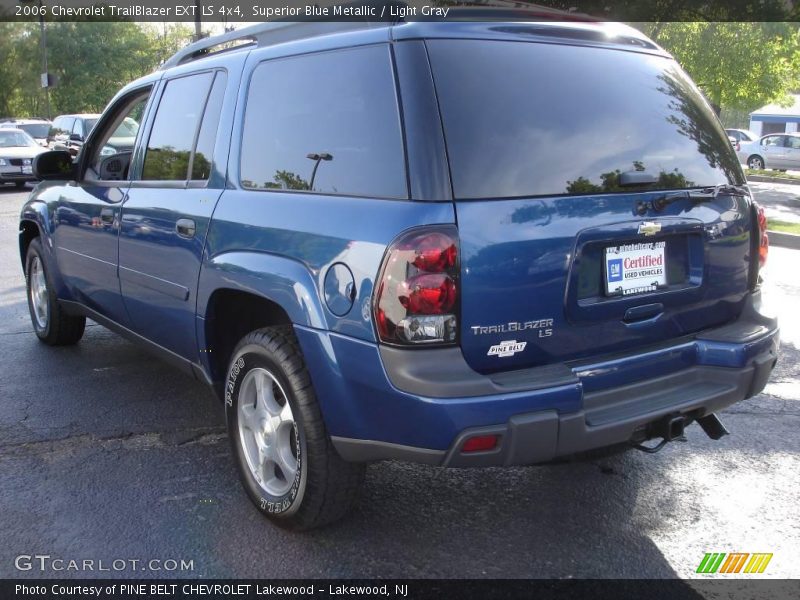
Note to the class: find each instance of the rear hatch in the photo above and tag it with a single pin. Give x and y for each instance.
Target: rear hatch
(577, 173)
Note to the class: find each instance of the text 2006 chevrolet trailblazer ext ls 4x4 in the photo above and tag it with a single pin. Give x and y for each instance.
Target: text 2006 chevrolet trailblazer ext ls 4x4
(462, 244)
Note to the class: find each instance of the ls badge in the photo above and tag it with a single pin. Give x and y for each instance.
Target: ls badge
(507, 348)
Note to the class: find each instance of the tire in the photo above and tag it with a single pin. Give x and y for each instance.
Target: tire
(755, 162)
(50, 323)
(285, 458)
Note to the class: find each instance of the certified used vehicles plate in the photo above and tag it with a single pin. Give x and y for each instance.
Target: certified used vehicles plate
(635, 268)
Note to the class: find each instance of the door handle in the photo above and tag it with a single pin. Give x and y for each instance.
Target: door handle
(107, 215)
(185, 227)
(643, 314)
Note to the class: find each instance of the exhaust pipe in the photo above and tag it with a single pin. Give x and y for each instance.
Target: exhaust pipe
(712, 426)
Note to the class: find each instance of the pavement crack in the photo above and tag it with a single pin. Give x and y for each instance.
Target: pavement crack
(123, 441)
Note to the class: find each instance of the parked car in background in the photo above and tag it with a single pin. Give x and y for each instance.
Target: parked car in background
(69, 131)
(780, 151)
(123, 138)
(17, 150)
(38, 129)
(742, 135)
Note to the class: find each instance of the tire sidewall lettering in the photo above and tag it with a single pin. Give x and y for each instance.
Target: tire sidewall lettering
(272, 505)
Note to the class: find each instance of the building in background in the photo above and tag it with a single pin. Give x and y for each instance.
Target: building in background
(776, 119)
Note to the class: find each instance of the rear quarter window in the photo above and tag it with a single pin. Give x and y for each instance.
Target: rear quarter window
(529, 119)
(327, 123)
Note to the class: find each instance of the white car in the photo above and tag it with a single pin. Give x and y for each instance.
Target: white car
(17, 150)
(38, 129)
(779, 151)
(742, 135)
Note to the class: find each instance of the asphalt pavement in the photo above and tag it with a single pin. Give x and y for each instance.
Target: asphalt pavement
(108, 454)
(781, 201)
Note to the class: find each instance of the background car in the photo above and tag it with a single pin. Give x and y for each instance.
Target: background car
(780, 151)
(69, 131)
(123, 138)
(742, 135)
(17, 150)
(38, 129)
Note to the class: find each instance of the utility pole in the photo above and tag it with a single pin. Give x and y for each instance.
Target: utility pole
(198, 9)
(45, 77)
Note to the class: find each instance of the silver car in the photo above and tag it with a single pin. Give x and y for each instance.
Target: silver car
(741, 135)
(17, 150)
(779, 151)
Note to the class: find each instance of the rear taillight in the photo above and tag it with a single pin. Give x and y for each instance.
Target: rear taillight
(763, 239)
(759, 244)
(416, 298)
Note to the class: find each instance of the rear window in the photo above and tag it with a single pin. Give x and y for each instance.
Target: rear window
(524, 119)
(36, 130)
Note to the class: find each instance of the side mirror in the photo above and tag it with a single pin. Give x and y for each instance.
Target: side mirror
(56, 164)
(75, 137)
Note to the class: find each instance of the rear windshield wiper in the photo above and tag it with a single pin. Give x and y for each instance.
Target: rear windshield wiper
(708, 194)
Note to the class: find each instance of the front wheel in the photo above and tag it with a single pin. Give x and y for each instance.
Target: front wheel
(285, 459)
(755, 162)
(50, 323)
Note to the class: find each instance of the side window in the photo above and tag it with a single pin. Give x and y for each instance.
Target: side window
(62, 126)
(204, 149)
(327, 123)
(172, 138)
(792, 142)
(773, 140)
(117, 138)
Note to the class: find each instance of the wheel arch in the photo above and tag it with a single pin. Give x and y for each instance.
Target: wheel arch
(28, 231)
(230, 315)
(240, 292)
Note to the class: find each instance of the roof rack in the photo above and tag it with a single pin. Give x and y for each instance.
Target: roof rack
(277, 32)
(294, 28)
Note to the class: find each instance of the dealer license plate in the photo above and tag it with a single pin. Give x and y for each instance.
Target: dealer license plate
(635, 268)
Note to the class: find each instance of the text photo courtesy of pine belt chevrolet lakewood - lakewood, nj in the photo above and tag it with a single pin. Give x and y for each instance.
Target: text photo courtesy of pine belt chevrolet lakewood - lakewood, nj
(376, 291)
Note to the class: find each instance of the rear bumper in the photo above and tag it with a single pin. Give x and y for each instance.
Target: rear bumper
(420, 406)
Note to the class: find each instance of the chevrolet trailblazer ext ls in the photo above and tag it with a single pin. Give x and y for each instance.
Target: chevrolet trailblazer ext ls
(462, 244)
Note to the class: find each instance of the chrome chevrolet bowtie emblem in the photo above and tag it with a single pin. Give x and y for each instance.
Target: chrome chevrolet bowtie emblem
(649, 228)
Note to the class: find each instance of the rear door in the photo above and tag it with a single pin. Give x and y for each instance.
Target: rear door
(560, 157)
(168, 207)
(792, 151)
(772, 147)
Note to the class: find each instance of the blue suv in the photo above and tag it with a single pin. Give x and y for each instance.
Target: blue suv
(460, 244)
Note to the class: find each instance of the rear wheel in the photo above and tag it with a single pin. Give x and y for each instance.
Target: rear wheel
(755, 162)
(284, 456)
(50, 323)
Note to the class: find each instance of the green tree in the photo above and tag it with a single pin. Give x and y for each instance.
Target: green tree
(739, 66)
(91, 61)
